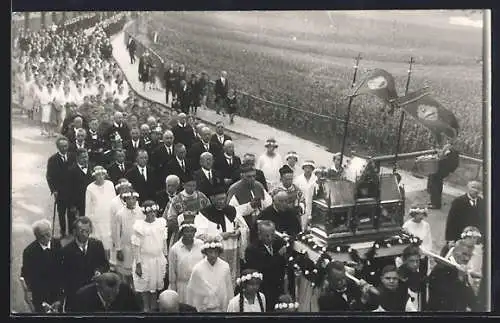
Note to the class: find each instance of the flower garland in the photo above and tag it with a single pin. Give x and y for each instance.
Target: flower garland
(211, 245)
(148, 209)
(470, 234)
(284, 306)
(130, 194)
(247, 277)
(122, 185)
(315, 272)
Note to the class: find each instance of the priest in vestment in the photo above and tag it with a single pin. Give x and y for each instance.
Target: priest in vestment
(210, 287)
(248, 196)
(222, 219)
(189, 200)
(296, 199)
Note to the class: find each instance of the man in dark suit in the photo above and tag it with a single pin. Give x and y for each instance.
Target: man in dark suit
(80, 141)
(448, 163)
(340, 293)
(131, 46)
(466, 210)
(183, 133)
(168, 302)
(219, 137)
(164, 153)
(184, 97)
(143, 177)
(83, 259)
(221, 90)
(135, 144)
(195, 92)
(267, 255)
(169, 78)
(179, 165)
(282, 215)
(206, 178)
(74, 123)
(228, 164)
(41, 269)
(56, 175)
(96, 143)
(119, 127)
(249, 159)
(449, 288)
(119, 167)
(202, 146)
(79, 177)
(106, 294)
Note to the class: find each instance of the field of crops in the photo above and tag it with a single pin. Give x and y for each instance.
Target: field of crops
(304, 59)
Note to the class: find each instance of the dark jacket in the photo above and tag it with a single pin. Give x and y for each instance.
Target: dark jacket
(204, 185)
(122, 130)
(272, 268)
(198, 148)
(160, 157)
(76, 183)
(448, 293)
(462, 214)
(173, 168)
(214, 140)
(170, 77)
(87, 301)
(79, 268)
(221, 90)
(115, 173)
(57, 172)
(183, 135)
(285, 221)
(331, 300)
(131, 151)
(228, 172)
(147, 190)
(42, 271)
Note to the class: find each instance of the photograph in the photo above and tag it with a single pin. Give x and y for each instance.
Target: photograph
(281, 162)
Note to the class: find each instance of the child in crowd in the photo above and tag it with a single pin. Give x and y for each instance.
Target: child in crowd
(249, 299)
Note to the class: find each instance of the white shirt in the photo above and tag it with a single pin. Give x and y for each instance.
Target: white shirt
(421, 230)
(83, 247)
(221, 138)
(169, 149)
(84, 169)
(208, 173)
(143, 172)
(135, 143)
(47, 246)
(229, 159)
(181, 162)
(223, 80)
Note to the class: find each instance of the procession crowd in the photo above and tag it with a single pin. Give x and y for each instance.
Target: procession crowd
(162, 215)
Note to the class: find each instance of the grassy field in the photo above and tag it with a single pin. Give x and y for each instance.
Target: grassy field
(305, 59)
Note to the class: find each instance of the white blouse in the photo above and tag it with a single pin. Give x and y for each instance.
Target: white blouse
(234, 304)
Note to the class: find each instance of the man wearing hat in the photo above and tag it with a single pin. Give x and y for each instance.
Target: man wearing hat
(270, 163)
(305, 182)
(221, 219)
(182, 258)
(291, 159)
(248, 196)
(210, 287)
(296, 198)
(336, 169)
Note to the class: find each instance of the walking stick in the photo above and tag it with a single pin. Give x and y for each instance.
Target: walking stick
(54, 217)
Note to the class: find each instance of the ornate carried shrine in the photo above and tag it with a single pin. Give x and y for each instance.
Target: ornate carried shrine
(357, 220)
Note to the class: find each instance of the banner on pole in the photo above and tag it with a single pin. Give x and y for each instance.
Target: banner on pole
(422, 107)
(379, 83)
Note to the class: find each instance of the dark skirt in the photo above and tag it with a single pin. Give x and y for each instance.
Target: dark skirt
(144, 77)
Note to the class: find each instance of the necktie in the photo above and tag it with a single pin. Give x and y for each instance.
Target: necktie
(63, 158)
(183, 166)
(206, 147)
(210, 176)
(121, 167)
(230, 161)
(270, 250)
(143, 172)
(84, 250)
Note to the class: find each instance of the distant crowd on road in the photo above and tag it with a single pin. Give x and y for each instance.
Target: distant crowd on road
(163, 215)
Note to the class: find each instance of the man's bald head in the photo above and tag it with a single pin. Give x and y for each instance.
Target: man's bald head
(168, 302)
(205, 134)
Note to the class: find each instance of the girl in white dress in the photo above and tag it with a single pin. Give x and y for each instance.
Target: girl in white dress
(149, 240)
(78, 94)
(98, 199)
(249, 299)
(122, 235)
(418, 227)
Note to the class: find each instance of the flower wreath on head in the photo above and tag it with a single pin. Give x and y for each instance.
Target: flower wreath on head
(187, 225)
(281, 306)
(130, 194)
(99, 170)
(418, 210)
(248, 277)
(122, 184)
(471, 233)
(211, 245)
(153, 207)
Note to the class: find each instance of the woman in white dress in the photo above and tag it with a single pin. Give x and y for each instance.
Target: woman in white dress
(98, 199)
(249, 299)
(149, 240)
(123, 223)
(419, 227)
(78, 94)
(46, 99)
(28, 94)
(68, 103)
